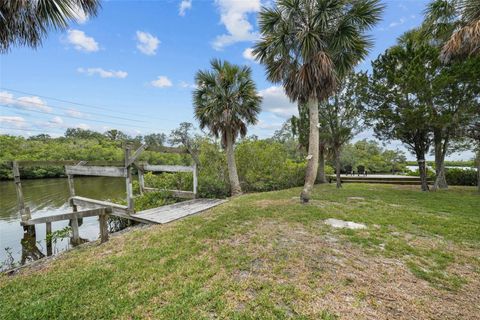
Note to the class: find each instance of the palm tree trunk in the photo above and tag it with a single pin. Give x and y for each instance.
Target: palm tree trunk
(313, 140)
(321, 164)
(232, 166)
(338, 167)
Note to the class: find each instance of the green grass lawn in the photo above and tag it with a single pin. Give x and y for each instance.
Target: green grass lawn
(267, 256)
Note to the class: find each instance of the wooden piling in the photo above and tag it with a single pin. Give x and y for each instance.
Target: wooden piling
(24, 210)
(75, 231)
(195, 180)
(129, 186)
(48, 237)
(103, 222)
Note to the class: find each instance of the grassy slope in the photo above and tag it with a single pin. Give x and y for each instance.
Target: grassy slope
(267, 256)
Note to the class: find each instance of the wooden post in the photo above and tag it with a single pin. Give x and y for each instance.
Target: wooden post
(24, 211)
(195, 181)
(103, 218)
(71, 188)
(48, 237)
(129, 186)
(75, 232)
(141, 180)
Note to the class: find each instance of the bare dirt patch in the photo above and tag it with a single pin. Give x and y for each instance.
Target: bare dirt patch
(334, 275)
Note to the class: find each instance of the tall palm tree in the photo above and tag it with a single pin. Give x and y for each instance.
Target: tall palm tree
(308, 46)
(226, 101)
(26, 22)
(456, 23)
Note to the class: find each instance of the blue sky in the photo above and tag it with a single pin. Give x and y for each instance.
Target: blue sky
(132, 66)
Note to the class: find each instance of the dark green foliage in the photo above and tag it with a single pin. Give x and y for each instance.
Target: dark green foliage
(459, 177)
(373, 157)
(264, 166)
(92, 147)
(226, 99)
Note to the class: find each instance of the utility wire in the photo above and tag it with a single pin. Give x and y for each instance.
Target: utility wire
(24, 129)
(85, 105)
(70, 109)
(72, 117)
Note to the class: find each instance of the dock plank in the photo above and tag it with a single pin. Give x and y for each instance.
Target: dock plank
(178, 210)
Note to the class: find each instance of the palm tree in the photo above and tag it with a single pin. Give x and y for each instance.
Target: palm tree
(226, 101)
(456, 23)
(26, 22)
(308, 46)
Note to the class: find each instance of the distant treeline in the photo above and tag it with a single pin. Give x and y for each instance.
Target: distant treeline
(448, 163)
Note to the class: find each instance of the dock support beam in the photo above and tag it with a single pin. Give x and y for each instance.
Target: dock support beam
(195, 180)
(24, 211)
(48, 237)
(129, 186)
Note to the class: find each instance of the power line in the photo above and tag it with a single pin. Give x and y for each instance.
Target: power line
(72, 117)
(23, 129)
(85, 105)
(70, 109)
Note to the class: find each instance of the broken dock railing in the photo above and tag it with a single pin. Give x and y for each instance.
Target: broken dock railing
(100, 208)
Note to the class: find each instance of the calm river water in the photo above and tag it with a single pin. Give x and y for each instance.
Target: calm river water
(47, 197)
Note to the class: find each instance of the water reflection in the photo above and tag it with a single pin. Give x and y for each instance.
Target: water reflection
(48, 197)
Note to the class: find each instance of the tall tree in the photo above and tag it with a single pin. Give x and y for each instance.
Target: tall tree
(155, 139)
(116, 135)
(300, 126)
(457, 24)
(308, 46)
(394, 102)
(340, 117)
(26, 23)
(183, 135)
(473, 133)
(226, 102)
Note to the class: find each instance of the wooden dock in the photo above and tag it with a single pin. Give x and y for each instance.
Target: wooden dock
(168, 213)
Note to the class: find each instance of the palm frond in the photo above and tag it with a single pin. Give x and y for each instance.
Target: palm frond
(25, 23)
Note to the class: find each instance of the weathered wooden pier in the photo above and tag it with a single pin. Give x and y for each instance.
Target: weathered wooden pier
(102, 209)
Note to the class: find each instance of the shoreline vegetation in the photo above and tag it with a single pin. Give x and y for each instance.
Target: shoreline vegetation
(265, 255)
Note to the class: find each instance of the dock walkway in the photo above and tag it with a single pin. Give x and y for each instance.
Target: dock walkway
(168, 213)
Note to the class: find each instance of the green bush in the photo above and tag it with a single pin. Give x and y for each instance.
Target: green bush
(264, 165)
(329, 169)
(459, 177)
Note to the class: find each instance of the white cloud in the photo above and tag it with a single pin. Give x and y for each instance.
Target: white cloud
(82, 126)
(6, 98)
(248, 54)
(234, 15)
(184, 6)
(104, 73)
(147, 43)
(33, 103)
(397, 23)
(27, 102)
(161, 82)
(74, 113)
(184, 84)
(81, 41)
(276, 101)
(18, 122)
(267, 126)
(56, 120)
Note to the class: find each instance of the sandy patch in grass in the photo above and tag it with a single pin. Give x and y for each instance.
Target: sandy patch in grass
(325, 273)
